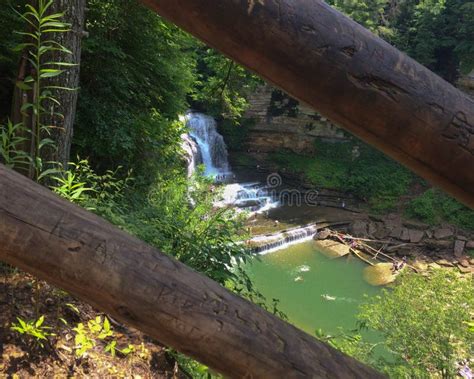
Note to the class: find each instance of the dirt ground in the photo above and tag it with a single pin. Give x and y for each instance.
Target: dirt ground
(22, 356)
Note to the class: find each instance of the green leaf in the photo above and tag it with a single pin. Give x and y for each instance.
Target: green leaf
(23, 86)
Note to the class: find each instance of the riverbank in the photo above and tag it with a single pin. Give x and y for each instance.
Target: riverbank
(436, 242)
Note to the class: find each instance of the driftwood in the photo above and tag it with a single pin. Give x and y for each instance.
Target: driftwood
(354, 78)
(136, 284)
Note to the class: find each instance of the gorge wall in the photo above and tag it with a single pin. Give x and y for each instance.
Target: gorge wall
(282, 123)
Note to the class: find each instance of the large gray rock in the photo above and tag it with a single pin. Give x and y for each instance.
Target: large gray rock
(405, 236)
(442, 233)
(415, 225)
(359, 228)
(322, 235)
(372, 228)
(416, 235)
(381, 232)
(395, 232)
(470, 245)
(459, 248)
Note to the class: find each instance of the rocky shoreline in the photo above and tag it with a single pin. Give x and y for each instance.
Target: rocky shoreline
(425, 246)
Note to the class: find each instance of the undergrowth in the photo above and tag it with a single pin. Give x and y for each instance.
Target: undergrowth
(352, 167)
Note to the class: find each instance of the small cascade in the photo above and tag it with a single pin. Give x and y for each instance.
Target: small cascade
(273, 242)
(252, 197)
(212, 148)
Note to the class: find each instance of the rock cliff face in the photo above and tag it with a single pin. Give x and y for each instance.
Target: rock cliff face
(283, 123)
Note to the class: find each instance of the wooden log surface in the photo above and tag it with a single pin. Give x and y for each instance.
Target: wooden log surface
(135, 283)
(354, 78)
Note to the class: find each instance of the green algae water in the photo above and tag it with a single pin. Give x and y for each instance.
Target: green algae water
(314, 291)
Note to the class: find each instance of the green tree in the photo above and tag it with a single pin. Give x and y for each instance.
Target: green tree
(373, 14)
(8, 55)
(136, 72)
(438, 34)
(424, 322)
(222, 85)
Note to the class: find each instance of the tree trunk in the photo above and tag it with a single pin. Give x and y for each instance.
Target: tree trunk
(133, 282)
(354, 78)
(63, 126)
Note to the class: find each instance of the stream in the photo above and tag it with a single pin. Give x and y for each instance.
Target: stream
(314, 291)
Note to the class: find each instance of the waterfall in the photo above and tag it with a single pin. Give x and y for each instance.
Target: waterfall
(212, 148)
(273, 242)
(204, 145)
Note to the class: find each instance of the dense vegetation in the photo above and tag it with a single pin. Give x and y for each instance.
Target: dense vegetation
(139, 73)
(352, 167)
(425, 323)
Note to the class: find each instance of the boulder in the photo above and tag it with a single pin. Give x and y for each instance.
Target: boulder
(359, 228)
(435, 244)
(405, 235)
(395, 232)
(381, 232)
(372, 228)
(445, 263)
(470, 245)
(380, 274)
(415, 225)
(416, 235)
(466, 270)
(443, 233)
(322, 235)
(459, 248)
(332, 249)
(464, 262)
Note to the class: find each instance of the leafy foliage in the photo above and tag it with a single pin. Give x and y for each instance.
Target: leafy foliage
(423, 320)
(136, 71)
(34, 329)
(8, 55)
(433, 207)
(373, 14)
(222, 85)
(23, 144)
(97, 330)
(352, 167)
(11, 147)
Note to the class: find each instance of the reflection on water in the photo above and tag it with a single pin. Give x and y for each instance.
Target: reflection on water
(314, 291)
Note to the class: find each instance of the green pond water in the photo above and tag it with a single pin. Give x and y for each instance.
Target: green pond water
(314, 291)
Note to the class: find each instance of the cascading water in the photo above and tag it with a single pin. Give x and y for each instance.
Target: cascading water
(273, 242)
(204, 145)
(212, 148)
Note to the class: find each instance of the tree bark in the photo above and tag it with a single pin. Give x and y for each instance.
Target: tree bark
(63, 126)
(133, 282)
(354, 78)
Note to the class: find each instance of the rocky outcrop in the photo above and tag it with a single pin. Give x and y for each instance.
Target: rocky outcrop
(191, 155)
(283, 123)
(443, 246)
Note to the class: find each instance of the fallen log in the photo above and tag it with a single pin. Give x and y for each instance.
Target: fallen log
(349, 75)
(136, 284)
